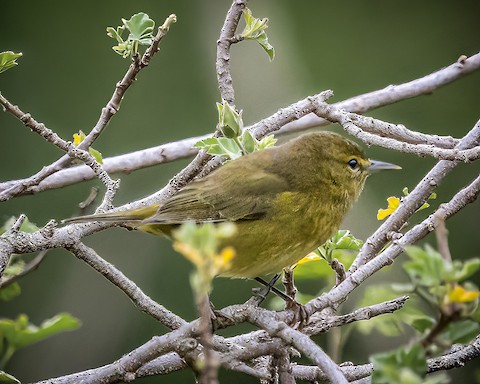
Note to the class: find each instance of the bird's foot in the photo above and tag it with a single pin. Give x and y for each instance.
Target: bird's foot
(218, 319)
(300, 315)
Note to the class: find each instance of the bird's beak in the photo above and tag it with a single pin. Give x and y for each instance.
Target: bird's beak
(376, 165)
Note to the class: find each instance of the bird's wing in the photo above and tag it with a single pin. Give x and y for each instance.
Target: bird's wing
(211, 198)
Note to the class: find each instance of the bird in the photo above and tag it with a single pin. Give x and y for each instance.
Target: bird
(285, 200)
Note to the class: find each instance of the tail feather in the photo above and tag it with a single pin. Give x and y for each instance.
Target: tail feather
(131, 215)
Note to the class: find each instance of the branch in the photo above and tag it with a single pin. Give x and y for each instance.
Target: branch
(66, 146)
(108, 111)
(353, 124)
(125, 163)
(454, 359)
(315, 327)
(413, 201)
(300, 341)
(394, 93)
(339, 293)
(304, 119)
(224, 75)
(140, 299)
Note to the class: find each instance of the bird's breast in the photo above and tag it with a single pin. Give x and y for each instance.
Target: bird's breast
(296, 224)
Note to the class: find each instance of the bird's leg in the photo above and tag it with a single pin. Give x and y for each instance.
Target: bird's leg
(218, 319)
(301, 316)
(261, 294)
(290, 289)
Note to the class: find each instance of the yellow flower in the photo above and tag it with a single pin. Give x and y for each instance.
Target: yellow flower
(78, 138)
(461, 295)
(393, 203)
(224, 258)
(312, 256)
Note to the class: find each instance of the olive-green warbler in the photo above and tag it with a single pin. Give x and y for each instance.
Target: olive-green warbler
(285, 201)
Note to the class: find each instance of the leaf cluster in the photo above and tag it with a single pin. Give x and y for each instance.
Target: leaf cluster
(140, 32)
(236, 141)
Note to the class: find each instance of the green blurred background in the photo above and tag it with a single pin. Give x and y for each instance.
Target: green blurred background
(68, 73)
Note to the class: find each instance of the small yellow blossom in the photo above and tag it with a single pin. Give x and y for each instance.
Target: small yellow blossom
(78, 138)
(224, 258)
(460, 295)
(312, 256)
(393, 203)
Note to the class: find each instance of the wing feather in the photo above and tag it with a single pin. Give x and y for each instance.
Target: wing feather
(207, 199)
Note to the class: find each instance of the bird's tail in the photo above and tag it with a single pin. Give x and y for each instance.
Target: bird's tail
(130, 215)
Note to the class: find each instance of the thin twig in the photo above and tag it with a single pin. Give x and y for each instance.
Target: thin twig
(209, 370)
(322, 325)
(29, 267)
(441, 234)
(66, 146)
(112, 107)
(353, 124)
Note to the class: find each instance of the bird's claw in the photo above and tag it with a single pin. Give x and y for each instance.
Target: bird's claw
(300, 315)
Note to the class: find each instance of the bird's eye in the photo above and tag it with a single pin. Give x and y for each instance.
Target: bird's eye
(353, 163)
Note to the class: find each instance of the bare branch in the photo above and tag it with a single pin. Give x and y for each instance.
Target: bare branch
(125, 163)
(322, 325)
(304, 119)
(224, 75)
(338, 294)
(394, 93)
(108, 111)
(413, 201)
(140, 299)
(353, 124)
(300, 341)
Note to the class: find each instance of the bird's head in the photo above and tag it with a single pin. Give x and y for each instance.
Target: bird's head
(328, 159)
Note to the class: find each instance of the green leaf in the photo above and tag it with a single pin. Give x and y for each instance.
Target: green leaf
(462, 270)
(461, 332)
(8, 60)
(220, 146)
(96, 154)
(231, 147)
(262, 39)
(267, 142)
(248, 141)
(255, 30)
(231, 123)
(422, 323)
(140, 28)
(406, 365)
(10, 291)
(6, 378)
(116, 33)
(426, 266)
(339, 245)
(253, 26)
(20, 332)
